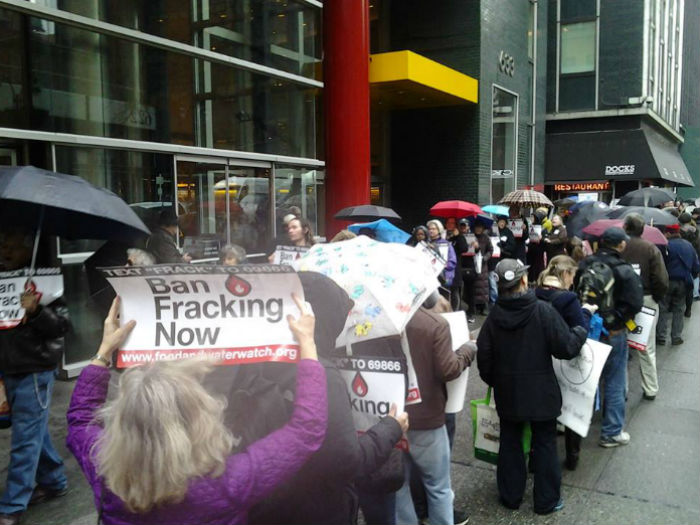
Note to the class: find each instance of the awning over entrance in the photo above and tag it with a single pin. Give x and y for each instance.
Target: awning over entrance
(635, 154)
(403, 79)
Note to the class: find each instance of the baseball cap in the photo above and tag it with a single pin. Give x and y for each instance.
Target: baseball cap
(614, 236)
(463, 221)
(509, 272)
(673, 227)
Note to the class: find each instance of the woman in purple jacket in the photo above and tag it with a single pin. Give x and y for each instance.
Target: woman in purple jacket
(160, 452)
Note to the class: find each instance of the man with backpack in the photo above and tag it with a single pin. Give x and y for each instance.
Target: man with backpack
(606, 280)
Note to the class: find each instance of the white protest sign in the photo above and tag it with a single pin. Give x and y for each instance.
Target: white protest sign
(578, 380)
(471, 239)
(229, 314)
(414, 396)
(288, 254)
(496, 247)
(516, 226)
(46, 282)
(639, 337)
(536, 230)
(436, 261)
(374, 383)
(457, 388)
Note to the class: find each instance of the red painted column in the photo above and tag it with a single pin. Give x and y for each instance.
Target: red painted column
(346, 106)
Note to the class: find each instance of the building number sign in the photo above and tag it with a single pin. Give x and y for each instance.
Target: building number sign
(506, 63)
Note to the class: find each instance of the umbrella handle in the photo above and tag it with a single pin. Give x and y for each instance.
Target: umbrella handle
(36, 241)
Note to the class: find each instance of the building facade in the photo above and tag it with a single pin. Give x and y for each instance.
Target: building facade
(614, 97)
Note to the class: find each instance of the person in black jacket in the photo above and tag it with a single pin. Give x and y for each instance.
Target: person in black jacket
(628, 298)
(323, 491)
(29, 354)
(514, 356)
(161, 243)
(505, 239)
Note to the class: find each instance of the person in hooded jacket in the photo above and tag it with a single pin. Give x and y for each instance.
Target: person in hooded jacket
(323, 491)
(514, 356)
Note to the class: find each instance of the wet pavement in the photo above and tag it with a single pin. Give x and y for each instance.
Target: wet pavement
(653, 480)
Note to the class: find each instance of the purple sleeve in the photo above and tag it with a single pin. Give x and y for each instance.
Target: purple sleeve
(89, 395)
(253, 474)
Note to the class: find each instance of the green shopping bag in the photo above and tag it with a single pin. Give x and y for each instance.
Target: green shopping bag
(487, 429)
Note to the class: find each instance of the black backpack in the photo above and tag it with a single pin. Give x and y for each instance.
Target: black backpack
(596, 285)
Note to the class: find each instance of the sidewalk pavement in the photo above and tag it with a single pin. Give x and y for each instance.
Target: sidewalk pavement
(653, 480)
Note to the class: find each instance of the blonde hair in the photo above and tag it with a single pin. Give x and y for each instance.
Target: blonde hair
(161, 430)
(555, 270)
(343, 235)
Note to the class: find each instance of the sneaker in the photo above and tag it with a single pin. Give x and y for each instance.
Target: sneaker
(649, 397)
(471, 319)
(460, 517)
(660, 341)
(614, 441)
(677, 341)
(42, 494)
(556, 508)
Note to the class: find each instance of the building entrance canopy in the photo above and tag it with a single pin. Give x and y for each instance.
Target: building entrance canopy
(620, 155)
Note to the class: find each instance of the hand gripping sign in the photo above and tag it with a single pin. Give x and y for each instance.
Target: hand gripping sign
(230, 314)
(578, 379)
(45, 282)
(644, 321)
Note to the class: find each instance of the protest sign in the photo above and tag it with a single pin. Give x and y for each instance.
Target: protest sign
(578, 380)
(516, 226)
(639, 337)
(414, 396)
(457, 388)
(495, 240)
(436, 261)
(536, 230)
(471, 239)
(288, 254)
(374, 383)
(229, 314)
(46, 282)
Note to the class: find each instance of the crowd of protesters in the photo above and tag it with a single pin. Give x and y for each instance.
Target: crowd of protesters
(165, 448)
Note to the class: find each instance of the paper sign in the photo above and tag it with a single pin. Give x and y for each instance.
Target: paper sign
(47, 282)
(471, 239)
(374, 383)
(436, 261)
(578, 380)
(288, 254)
(639, 337)
(536, 230)
(229, 314)
(413, 397)
(457, 388)
(516, 226)
(496, 247)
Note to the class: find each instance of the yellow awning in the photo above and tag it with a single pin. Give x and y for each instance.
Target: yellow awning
(404, 79)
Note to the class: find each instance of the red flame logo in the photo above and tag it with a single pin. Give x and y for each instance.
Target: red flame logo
(237, 286)
(30, 287)
(359, 386)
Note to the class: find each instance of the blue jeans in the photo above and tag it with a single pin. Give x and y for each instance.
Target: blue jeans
(614, 377)
(33, 460)
(429, 450)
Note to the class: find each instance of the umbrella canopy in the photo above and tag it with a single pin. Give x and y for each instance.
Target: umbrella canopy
(383, 231)
(497, 209)
(486, 221)
(584, 213)
(457, 209)
(566, 203)
(367, 213)
(71, 206)
(387, 281)
(652, 216)
(526, 198)
(647, 197)
(594, 230)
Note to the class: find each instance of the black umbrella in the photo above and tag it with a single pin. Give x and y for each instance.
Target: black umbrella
(584, 213)
(652, 216)
(64, 205)
(367, 213)
(646, 197)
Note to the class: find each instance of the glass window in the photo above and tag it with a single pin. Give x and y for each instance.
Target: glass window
(76, 81)
(577, 48)
(571, 9)
(577, 92)
(531, 32)
(283, 34)
(297, 191)
(504, 143)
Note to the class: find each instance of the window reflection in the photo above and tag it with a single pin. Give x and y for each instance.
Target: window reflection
(504, 141)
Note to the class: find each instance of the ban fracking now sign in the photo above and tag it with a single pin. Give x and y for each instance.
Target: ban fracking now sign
(47, 283)
(229, 314)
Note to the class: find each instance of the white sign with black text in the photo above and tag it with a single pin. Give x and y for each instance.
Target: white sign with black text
(46, 282)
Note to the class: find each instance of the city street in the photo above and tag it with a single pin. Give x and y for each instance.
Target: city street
(653, 480)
